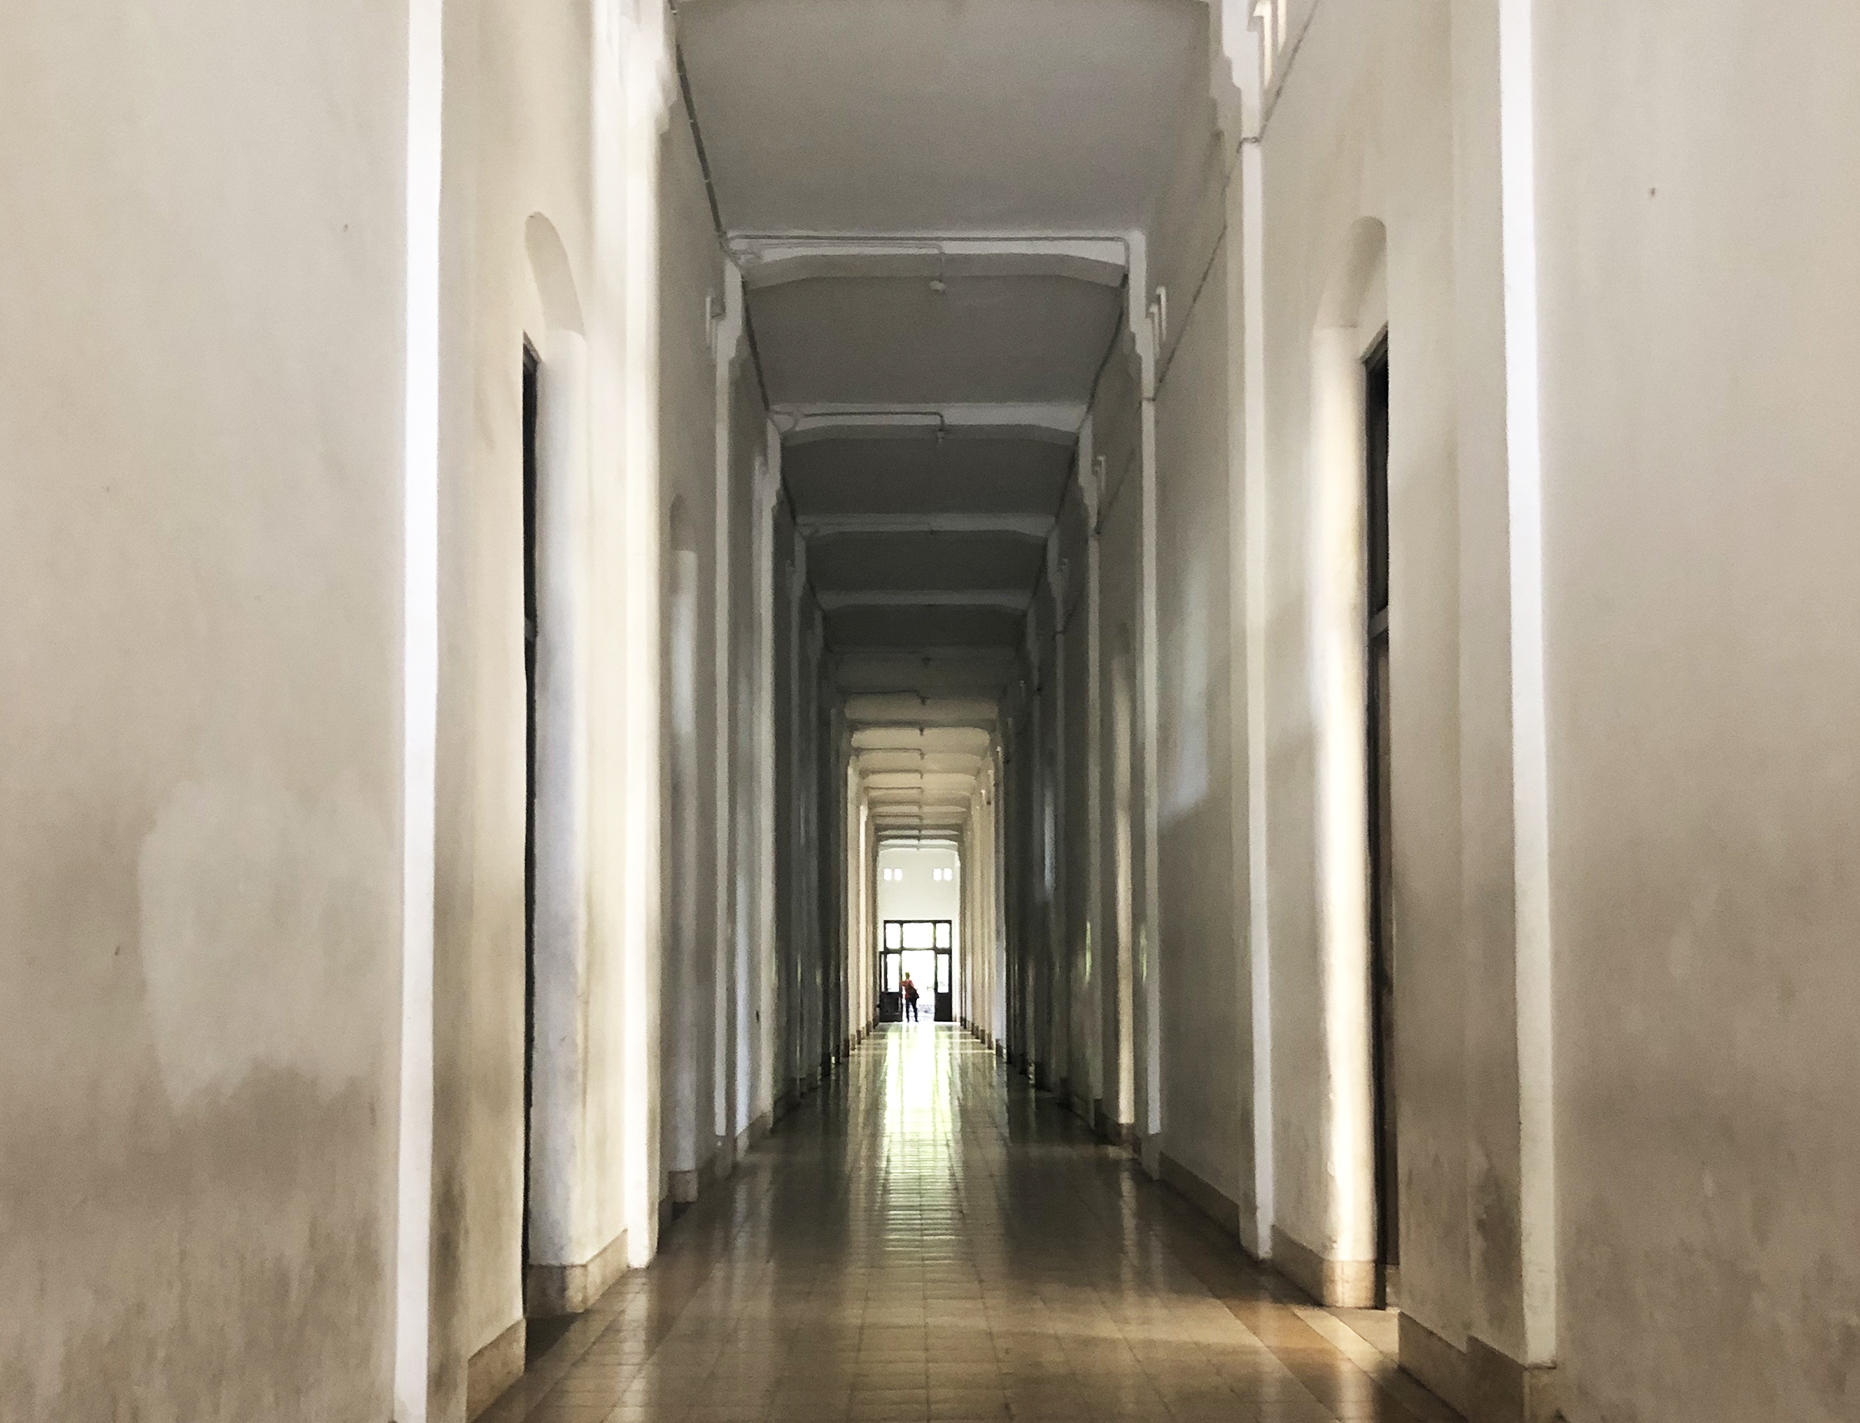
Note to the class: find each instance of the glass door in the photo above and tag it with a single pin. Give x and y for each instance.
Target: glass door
(891, 974)
(922, 951)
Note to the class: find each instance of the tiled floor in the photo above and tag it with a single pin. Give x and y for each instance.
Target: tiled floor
(926, 1239)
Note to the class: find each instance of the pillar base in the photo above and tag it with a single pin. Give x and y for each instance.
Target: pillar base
(550, 1291)
(1350, 1284)
(1204, 1196)
(1484, 1384)
(495, 1368)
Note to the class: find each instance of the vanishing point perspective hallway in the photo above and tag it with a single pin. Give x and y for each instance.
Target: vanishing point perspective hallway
(929, 1239)
(841, 711)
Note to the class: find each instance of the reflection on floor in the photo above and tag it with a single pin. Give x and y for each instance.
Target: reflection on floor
(927, 1239)
(1380, 1328)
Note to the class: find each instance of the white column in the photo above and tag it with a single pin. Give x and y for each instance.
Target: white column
(631, 90)
(768, 497)
(1090, 491)
(1517, 82)
(419, 707)
(1250, 335)
(1145, 323)
(728, 1006)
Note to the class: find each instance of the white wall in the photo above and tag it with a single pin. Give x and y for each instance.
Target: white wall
(1701, 346)
(919, 894)
(1207, 1126)
(200, 894)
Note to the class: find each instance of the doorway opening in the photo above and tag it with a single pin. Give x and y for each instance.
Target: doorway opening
(532, 386)
(1123, 1108)
(1381, 824)
(924, 951)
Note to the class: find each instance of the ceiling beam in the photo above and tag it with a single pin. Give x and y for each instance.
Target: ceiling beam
(772, 260)
(1032, 527)
(952, 763)
(1053, 422)
(921, 713)
(1011, 600)
(894, 736)
(942, 782)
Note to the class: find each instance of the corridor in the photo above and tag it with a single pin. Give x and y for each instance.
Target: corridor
(1287, 565)
(930, 1239)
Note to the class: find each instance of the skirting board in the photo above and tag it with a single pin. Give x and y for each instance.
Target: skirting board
(494, 1368)
(1483, 1384)
(1122, 1134)
(752, 1134)
(1209, 1199)
(1435, 1362)
(1349, 1284)
(553, 1290)
(684, 1187)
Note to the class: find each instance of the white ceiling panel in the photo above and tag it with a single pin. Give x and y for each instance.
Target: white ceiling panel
(959, 474)
(929, 560)
(896, 340)
(991, 116)
(853, 628)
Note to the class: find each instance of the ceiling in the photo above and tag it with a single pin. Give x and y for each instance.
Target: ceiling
(940, 115)
(918, 192)
(887, 340)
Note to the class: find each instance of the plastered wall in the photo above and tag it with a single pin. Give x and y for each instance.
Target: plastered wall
(918, 895)
(1203, 1015)
(1700, 309)
(200, 892)
(1693, 586)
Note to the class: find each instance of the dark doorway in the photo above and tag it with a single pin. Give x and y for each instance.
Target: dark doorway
(531, 395)
(1381, 833)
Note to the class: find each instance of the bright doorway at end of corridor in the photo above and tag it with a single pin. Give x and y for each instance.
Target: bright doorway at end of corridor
(919, 907)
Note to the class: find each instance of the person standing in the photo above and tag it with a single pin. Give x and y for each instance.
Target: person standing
(910, 999)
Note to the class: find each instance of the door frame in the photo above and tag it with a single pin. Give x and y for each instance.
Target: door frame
(892, 946)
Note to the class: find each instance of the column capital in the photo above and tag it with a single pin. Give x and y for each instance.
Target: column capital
(649, 74)
(1244, 37)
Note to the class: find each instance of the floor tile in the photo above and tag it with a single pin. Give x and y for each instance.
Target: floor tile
(927, 1239)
